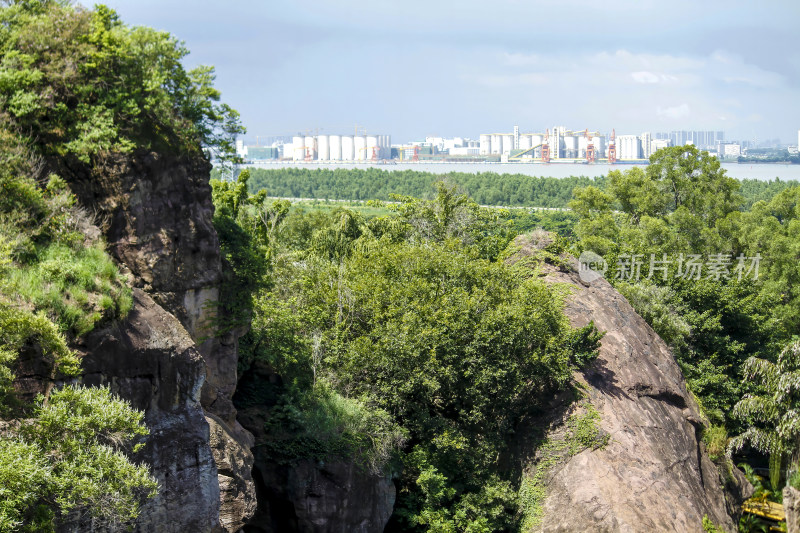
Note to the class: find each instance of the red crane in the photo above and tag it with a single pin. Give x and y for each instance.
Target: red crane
(591, 155)
(546, 147)
(612, 148)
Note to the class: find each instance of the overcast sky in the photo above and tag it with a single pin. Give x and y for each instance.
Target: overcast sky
(417, 68)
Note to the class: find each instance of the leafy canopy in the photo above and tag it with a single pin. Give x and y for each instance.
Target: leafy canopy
(415, 321)
(80, 82)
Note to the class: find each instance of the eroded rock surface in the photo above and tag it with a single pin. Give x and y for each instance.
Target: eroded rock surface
(654, 474)
(150, 360)
(791, 505)
(323, 497)
(155, 212)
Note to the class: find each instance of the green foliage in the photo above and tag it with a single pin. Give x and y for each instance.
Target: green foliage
(771, 415)
(244, 224)
(485, 188)
(321, 424)
(68, 459)
(716, 440)
(750, 523)
(762, 490)
(710, 527)
(45, 263)
(20, 328)
(65, 454)
(80, 82)
(683, 203)
(411, 325)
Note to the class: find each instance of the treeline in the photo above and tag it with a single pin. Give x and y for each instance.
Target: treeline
(485, 188)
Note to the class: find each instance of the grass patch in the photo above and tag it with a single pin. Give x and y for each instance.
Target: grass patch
(47, 266)
(320, 423)
(580, 432)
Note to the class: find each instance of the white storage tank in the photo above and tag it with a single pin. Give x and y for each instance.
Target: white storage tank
(387, 146)
(536, 139)
(497, 144)
(348, 153)
(323, 148)
(311, 147)
(525, 141)
(335, 147)
(298, 149)
(360, 147)
(508, 142)
(582, 143)
(599, 146)
(486, 144)
(372, 148)
(570, 142)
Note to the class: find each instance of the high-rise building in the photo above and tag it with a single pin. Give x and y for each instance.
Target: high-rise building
(647, 140)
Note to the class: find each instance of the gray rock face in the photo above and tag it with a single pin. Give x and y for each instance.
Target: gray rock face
(234, 467)
(316, 497)
(654, 474)
(156, 214)
(150, 360)
(791, 506)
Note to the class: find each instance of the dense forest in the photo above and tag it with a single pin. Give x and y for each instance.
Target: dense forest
(485, 188)
(406, 341)
(348, 308)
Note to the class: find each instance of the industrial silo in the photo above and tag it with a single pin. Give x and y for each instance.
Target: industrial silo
(311, 147)
(583, 142)
(323, 148)
(525, 141)
(335, 147)
(570, 146)
(372, 147)
(508, 142)
(486, 144)
(298, 149)
(599, 146)
(360, 147)
(347, 148)
(384, 147)
(497, 144)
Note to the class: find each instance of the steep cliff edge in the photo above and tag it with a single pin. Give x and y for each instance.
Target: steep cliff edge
(155, 212)
(653, 474)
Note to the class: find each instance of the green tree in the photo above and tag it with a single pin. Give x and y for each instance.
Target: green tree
(80, 82)
(772, 415)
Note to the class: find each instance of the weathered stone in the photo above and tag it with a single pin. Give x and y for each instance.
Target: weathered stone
(150, 360)
(234, 466)
(322, 497)
(654, 473)
(791, 506)
(155, 212)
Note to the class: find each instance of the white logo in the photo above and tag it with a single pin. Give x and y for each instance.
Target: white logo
(591, 266)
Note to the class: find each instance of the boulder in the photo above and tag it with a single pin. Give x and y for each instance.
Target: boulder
(653, 473)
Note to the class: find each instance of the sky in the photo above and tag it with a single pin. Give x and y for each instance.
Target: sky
(422, 68)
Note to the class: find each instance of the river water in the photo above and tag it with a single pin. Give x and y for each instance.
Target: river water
(762, 172)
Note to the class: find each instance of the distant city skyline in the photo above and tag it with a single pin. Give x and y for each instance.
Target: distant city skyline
(414, 69)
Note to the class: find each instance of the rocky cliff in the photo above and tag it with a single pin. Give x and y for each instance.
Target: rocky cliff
(155, 212)
(653, 473)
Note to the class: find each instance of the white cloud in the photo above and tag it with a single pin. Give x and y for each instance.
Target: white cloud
(678, 111)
